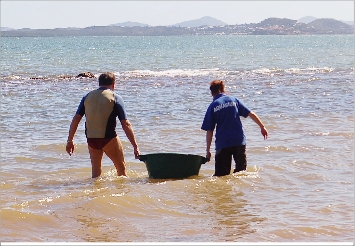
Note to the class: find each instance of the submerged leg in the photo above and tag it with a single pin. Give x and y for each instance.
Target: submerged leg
(96, 161)
(114, 151)
(240, 158)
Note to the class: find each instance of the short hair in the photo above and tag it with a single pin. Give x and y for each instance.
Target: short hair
(107, 78)
(217, 86)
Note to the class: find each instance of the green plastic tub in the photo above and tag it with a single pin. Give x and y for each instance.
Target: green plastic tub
(172, 165)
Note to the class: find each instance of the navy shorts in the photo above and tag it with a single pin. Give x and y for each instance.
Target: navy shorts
(223, 160)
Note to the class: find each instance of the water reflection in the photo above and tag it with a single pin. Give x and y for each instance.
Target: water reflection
(229, 207)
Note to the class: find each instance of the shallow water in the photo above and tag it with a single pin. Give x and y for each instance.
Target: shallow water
(299, 184)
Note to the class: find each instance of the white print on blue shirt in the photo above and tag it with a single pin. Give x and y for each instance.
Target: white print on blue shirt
(224, 105)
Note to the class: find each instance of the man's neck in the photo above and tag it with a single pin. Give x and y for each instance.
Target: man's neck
(107, 87)
(217, 93)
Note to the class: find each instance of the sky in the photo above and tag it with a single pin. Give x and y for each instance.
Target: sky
(62, 14)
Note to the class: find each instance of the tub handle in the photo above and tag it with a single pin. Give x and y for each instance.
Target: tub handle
(142, 158)
(204, 160)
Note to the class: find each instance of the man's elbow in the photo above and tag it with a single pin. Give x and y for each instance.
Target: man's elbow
(251, 113)
(125, 124)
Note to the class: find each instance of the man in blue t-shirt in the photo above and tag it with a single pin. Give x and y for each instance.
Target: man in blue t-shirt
(224, 113)
(101, 107)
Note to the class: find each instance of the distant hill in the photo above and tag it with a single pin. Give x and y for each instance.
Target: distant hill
(307, 19)
(351, 23)
(130, 24)
(3, 29)
(277, 22)
(270, 26)
(329, 25)
(204, 21)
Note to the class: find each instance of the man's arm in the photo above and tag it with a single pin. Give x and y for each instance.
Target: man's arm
(73, 127)
(257, 120)
(209, 136)
(128, 129)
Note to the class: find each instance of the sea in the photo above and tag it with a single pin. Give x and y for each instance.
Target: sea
(299, 184)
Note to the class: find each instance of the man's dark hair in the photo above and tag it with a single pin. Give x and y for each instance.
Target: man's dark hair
(107, 79)
(216, 86)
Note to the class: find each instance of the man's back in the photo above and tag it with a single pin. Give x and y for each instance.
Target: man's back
(224, 113)
(99, 106)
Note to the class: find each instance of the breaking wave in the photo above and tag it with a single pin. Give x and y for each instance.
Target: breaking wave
(171, 73)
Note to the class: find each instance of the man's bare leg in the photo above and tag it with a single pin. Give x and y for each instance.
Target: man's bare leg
(114, 151)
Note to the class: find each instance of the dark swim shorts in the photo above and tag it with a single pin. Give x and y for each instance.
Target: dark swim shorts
(98, 143)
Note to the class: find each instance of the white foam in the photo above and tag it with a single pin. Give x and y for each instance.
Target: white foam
(174, 73)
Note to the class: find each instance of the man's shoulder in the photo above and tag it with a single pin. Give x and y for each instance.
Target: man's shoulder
(118, 99)
(224, 98)
(117, 95)
(231, 96)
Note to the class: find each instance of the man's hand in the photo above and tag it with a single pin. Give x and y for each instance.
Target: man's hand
(136, 153)
(264, 132)
(208, 155)
(70, 147)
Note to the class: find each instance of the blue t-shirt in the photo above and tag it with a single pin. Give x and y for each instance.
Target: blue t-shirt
(101, 107)
(224, 114)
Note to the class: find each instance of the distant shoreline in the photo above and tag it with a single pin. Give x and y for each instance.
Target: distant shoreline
(270, 26)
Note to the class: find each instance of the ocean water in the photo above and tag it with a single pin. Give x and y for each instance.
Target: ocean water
(299, 184)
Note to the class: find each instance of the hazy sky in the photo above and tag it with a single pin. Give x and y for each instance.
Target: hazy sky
(58, 14)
